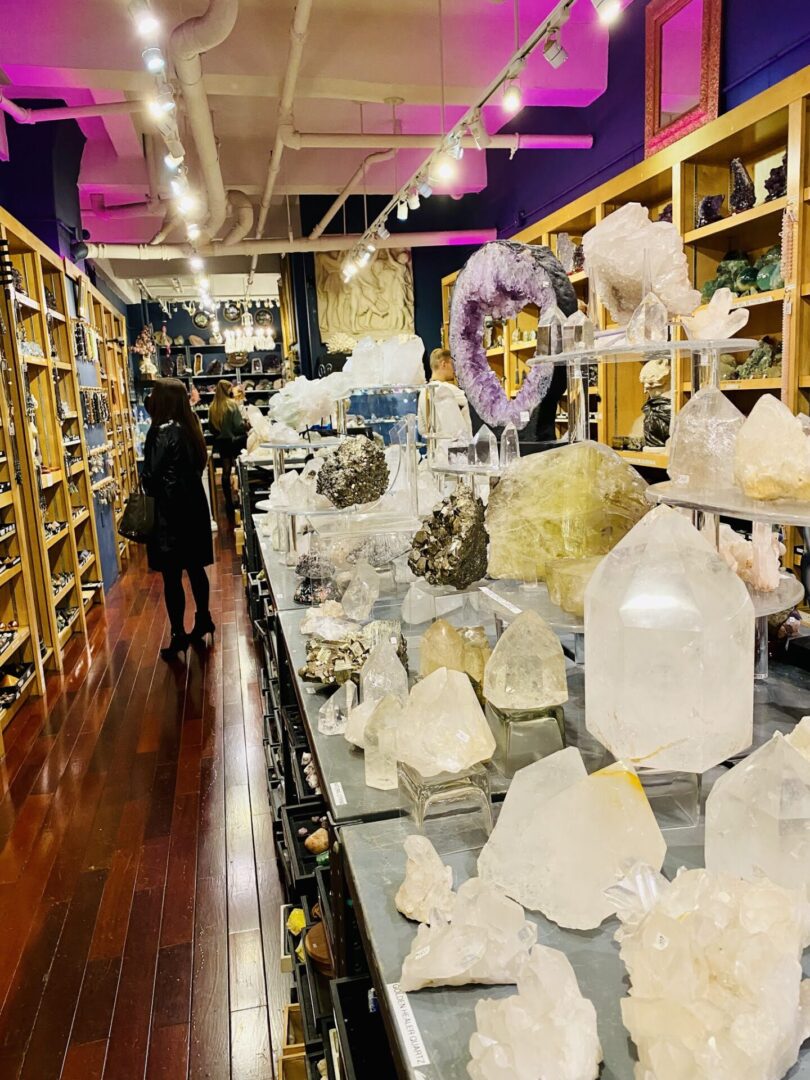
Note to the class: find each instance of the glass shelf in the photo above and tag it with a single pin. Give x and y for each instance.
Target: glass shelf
(731, 503)
(617, 354)
(789, 593)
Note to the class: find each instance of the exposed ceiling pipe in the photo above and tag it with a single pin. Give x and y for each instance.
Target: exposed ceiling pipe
(372, 159)
(242, 208)
(170, 222)
(67, 112)
(188, 41)
(255, 248)
(298, 36)
(297, 140)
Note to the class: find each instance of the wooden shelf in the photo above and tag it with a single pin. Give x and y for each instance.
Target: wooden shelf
(82, 517)
(85, 566)
(775, 296)
(649, 460)
(7, 715)
(496, 350)
(10, 574)
(50, 479)
(743, 384)
(523, 346)
(737, 221)
(68, 630)
(578, 277)
(51, 540)
(63, 592)
(6, 499)
(54, 314)
(22, 635)
(28, 302)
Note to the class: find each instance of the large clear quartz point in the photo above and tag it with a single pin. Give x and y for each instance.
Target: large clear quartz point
(549, 332)
(758, 814)
(648, 322)
(701, 451)
(527, 667)
(563, 836)
(361, 592)
(428, 883)
(547, 1030)
(577, 332)
(444, 728)
(359, 717)
(669, 628)
(510, 445)
(380, 738)
(716, 989)
(383, 674)
(772, 456)
(484, 448)
(333, 715)
(484, 941)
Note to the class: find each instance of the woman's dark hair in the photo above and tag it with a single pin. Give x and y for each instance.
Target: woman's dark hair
(169, 401)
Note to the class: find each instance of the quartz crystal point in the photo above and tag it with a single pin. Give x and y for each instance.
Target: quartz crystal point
(716, 989)
(510, 445)
(443, 646)
(484, 448)
(772, 456)
(583, 830)
(547, 1030)
(428, 883)
(334, 713)
(755, 561)
(758, 814)
(359, 717)
(701, 452)
(670, 674)
(577, 332)
(444, 728)
(648, 323)
(565, 251)
(572, 502)
(380, 744)
(527, 667)
(718, 320)
(567, 580)
(362, 591)
(354, 473)
(484, 941)
(549, 332)
(418, 606)
(383, 675)
(450, 547)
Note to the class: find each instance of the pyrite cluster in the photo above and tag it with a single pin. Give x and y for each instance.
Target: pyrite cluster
(333, 662)
(451, 546)
(354, 473)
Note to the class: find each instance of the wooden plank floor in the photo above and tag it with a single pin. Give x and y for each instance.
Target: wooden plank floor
(138, 888)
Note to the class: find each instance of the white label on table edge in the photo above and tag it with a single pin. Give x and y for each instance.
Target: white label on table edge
(406, 1022)
(338, 794)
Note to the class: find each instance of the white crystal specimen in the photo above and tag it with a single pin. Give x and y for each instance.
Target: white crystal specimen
(772, 457)
(444, 728)
(701, 450)
(362, 591)
(648, 323)
(428, 883)
(716, 989)
(549, 331)
(380, 744)
(718, 319)
(625, 250)
(483, 449)
(756, 561)
(547, 1030)
(565, 251)
(307, 401)
(527, 667)
(484, 941)
(582, 830)
(577, 332)
(418, 606)
(758, 814)
(510, 445)
(359, 717)
(333, 715)
(383, 674)
(655, 376)
(669, 682)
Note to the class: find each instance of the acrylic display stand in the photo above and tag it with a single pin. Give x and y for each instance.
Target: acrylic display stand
(524, 736)
(445, 793)
(674, 797)
(505, 600)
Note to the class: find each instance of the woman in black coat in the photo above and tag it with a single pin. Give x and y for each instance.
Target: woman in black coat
(175, 456)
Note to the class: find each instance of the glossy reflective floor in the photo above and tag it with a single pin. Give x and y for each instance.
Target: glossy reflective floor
(138, 888)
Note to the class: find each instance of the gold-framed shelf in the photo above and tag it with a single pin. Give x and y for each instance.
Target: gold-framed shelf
(736, 221)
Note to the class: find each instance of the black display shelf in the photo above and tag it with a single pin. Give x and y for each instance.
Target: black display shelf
(364, 1048)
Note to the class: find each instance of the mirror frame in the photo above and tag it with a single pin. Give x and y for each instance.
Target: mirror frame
(658, 13)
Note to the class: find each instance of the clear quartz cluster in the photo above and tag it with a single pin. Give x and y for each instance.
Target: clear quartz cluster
(483, 448)
(572, 502)
(716, 989)
(428, 883)
(772, 457)
(567, 580)
(547, 1030)
(758, 814)
(527, 668)
(444, 646)
(483, 941)
(563, 837)
(701, 450)
(670, 632)
(444, 728)
(362, 591)
(718, 319)
(333, 715)
(380, 744)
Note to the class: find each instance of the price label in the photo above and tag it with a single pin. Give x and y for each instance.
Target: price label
(408, 1028)
(338, 794)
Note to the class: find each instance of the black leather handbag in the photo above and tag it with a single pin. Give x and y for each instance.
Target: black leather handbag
(138, 519)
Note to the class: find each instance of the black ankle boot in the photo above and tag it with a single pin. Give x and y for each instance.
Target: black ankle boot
(178, 644)
(203, 626)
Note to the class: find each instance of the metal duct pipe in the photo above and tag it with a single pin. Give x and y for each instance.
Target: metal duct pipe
(67, 112)
(242, 208)
(372, 159)
(255, 248)
(188, 41)
(326, 140)
(298, 36)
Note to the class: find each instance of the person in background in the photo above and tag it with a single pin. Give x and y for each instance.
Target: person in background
(230, 436)
(452, 418)
(175, 456)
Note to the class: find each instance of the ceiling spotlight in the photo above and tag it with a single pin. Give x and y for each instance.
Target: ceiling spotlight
(193, 232)
(349, 270)
(173, 162)
(179, 184)
(402, 210)
(196, 263)
(161, 106)
(424, 189)
(479, 132)
(371, 247)
(444, 167)
(146, 22)
(607, 10)
(454, 147)
(383, 233)
(554, 51)
(187, 204)
(512, 99)
(364, 258)
(413, 199)
(153, 58)
(204, 284)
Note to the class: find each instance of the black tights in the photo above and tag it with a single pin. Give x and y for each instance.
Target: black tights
(175, 595)
(226, 463)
